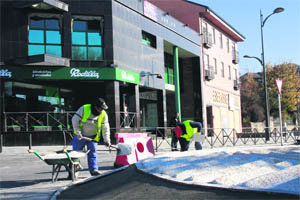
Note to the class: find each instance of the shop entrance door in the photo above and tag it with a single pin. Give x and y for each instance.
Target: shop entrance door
(149, 109)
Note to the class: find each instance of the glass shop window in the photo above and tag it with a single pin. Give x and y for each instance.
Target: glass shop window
(148, 39)
(27, 97)
(44, 37)
(169, 69)
(87, 40)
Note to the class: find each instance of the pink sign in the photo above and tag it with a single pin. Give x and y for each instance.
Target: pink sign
(150, 10)
(279, 85)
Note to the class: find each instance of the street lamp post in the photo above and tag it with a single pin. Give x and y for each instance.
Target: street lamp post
(298, 111)
(262, 62)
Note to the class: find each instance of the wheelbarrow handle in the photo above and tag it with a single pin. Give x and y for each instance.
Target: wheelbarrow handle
(36, 153)
(92, 140)
(114, 147)
(69, 157)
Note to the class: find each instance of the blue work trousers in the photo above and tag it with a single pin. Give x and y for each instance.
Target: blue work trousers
(186, 144)
(92, 155)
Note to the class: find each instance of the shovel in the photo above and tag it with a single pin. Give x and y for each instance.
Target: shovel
(122, 149)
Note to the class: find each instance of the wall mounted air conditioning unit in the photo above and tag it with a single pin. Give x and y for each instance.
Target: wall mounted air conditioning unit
(236, 85)
(207, 40)
(209, 75)
(235, 56)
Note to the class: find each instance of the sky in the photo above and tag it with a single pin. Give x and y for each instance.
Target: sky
(261, 168)
(281, 31)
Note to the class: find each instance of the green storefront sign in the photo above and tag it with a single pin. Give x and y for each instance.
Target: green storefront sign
(69, 73)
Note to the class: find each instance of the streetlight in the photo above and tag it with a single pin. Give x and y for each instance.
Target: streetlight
(262, 62)
(267, 114)
(298, 110)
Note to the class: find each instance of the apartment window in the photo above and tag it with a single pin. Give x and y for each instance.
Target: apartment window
(206, 61)
(233, 47)
(169, 69)
(214, 36)
(148, 39)
(86, 40)
(207, 37)
(222, 70)
(228, 50)
(215, 66)
(204, 27)
(221, 41)
(229, 72)
(44, 36)
(235, 74)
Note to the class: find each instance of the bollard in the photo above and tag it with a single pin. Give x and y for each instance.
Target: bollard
(30, 140)
(1, 142)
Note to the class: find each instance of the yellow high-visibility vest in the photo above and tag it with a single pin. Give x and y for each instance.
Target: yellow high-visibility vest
(86, 114)
(189, 131)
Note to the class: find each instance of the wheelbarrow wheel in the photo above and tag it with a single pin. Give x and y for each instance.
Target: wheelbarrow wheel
(73, 170)
(77, 168)
(76, 175)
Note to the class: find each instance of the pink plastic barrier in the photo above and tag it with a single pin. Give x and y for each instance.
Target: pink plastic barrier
(141, 148)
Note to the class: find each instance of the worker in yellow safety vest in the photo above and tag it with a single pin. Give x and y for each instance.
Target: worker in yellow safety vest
(185, 131)
(90, 122)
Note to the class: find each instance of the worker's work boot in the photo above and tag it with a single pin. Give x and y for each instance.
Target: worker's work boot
(95, 173)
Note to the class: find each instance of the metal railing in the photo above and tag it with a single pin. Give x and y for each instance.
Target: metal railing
(221, 137)
(214, 137)
(37, 121)
(52, 121)
(128, 120)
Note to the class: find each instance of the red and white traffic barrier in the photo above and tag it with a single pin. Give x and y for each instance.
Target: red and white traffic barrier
(141, 148)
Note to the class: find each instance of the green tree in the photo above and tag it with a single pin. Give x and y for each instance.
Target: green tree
(252, 109)
(287, 72)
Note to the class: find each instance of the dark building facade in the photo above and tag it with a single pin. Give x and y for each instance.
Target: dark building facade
(59, 55)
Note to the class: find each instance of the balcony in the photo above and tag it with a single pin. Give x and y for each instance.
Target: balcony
(209, 74)
(236, 85)
(235, 56)
(207, 42)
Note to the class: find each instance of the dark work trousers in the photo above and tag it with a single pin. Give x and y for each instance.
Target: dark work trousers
(198, 146)
(174, 140)
(184, 145)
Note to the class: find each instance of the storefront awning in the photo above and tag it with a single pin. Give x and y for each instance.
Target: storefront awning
(67, 73)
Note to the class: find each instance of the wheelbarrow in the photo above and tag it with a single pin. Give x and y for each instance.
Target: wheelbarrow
(69, 159)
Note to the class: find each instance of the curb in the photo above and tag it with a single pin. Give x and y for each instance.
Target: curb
(222, 187)
(59, 191)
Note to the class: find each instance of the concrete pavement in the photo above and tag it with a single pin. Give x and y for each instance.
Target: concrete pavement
(25, 176)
